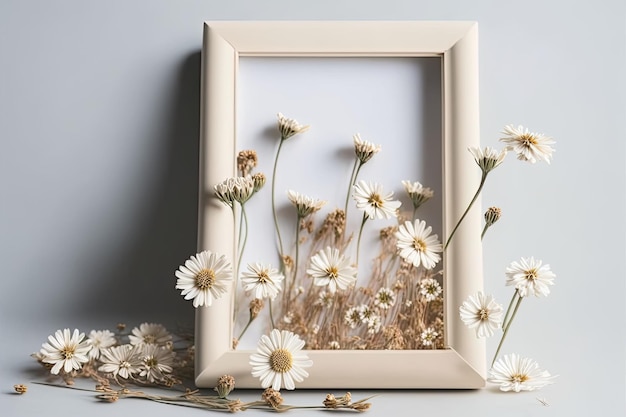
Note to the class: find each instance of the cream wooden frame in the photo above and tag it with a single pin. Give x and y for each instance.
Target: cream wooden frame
(462, 364)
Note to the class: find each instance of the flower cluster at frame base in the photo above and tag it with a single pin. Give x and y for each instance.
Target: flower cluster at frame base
(149, 361)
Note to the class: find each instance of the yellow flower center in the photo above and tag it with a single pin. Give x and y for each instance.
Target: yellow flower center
(419, 245)
(531, 274)
(149, 339)
(483, 314)
(281, 360)
(68, 352)
(375, 200)
(263, 277)
(519, 378)
(332, 272)
(528, 140)
(205, 279)
(151, 362)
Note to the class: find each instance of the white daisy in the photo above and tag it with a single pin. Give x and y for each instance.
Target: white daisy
(481, 312)
(121, 360)
(384, 298)
(289, 127)
(304, 204)
(352, 317)
(265, 281)
(417, 193)
(334, 345)
(279, 360)
(363, 149)
(514, 373)
(329, 267)
(373, 324)
(149, 334)
(324, 299)
(529, 146)
(365, 312)
(156, 362)
(417, 245)
(488, 158)
(529, 277)
(100, 340)
(429, 336)
(371, 199)
(204, 277)
(65, 350)
(430, 289)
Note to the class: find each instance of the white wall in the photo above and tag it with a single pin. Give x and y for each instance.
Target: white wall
(98, 170)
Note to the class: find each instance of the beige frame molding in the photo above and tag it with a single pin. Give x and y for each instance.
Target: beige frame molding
(462, 364)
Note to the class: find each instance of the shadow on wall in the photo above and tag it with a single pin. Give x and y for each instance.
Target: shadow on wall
(140, 285)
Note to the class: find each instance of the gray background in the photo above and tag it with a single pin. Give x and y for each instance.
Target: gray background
(98, 182)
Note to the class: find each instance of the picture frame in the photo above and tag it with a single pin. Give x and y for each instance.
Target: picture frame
(462, 364)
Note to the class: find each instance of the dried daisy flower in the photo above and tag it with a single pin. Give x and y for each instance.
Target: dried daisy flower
(289, 127)
(259, 180)
(255, 307)
(363, 149)
(430, 289)
(417, 193)
(352, 317)
(265, 281)
(492, 215)
(279, 360)
(417, 246)
(242, 189)
(204, 277)
(304, 205)
(20, 388)
(529, 146)
(224, 192)
(149, 334)
(481, 312)
(246, 161)
(429, 336)
(329, 267)
(225, 385)
(324, 299)
(371, 199)
(121, 360)
(334, 345)
(156, 363)
(373, 323)
(66, 351)
(333, 402)
(384, 299)
(515, 373)
(100, 340)
(488, 158)
(529, 277)
(272, 398)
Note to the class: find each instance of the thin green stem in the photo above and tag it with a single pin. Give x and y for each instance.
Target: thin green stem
(244, 223)
(297, 260)
(358, 242)
(480, 187)
(245, 328)
(508, 310)
(280, 240)
(506, 329)
(350, 184)
(482, 235)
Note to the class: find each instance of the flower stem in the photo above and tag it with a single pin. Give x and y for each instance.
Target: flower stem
(271, 314)
(295, 265)
(482, 235)
(358, 242)
(480, 187)
(245, 328)
(244, 223)
(506, 328)
(352, 178)
(280, 241)
(508, 310)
